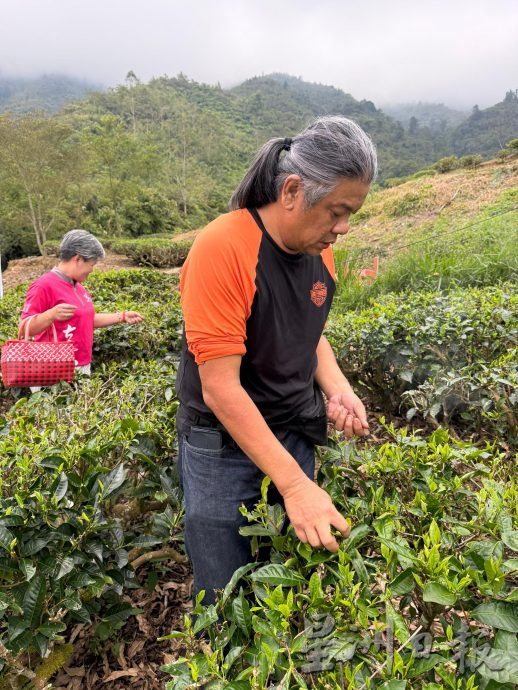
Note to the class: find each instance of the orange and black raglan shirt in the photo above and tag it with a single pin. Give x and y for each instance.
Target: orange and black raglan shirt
(243, 295)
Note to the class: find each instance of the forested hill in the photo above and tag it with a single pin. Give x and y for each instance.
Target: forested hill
(165, 156)
(238, 120)
(245, 116)
(48, 93)
(488, 130)
(436, 116)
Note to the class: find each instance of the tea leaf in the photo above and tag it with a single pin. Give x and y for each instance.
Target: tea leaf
(499, 614)
(394, 685)
(421, 666)
(437, 593)
(510, 539)
(114, 480)
(6, 538)
(404, 583)
(204, 619)
(33, 600)
(28, 568)
(61, 488)
(499, 665)
(274, 574)
(506, 641)
(241, 610)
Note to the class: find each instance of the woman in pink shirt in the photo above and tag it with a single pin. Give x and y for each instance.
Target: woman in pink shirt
(59, 298)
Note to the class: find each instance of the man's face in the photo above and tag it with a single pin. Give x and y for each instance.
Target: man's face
(311, 230)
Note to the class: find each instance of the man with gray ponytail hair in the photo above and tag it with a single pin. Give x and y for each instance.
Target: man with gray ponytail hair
(256, 291)
(330, 149)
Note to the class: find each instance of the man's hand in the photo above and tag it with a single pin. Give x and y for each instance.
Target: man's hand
(312, 513)
(347, 412)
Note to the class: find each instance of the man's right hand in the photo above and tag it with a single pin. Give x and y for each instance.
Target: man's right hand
(62, 312)
(312, 514)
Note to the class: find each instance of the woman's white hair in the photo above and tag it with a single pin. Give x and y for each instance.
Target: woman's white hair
(80, 243)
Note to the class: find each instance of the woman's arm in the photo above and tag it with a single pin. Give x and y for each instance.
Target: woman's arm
(40, 322)
(103, 320)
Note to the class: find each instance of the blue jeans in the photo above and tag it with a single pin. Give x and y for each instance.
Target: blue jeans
(215, 484)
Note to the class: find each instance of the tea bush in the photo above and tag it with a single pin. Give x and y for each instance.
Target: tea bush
(149, 292)
(483, 395)
(446, 164)
(75, 461)
(69, 454)
(87, 477)
(408, 342)
(162, 253)
(152, 293)
(427, 577)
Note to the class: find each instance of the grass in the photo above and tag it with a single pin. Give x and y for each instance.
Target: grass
(454, 250)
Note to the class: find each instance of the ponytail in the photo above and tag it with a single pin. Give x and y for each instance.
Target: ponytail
(330, 149)
(258, 186)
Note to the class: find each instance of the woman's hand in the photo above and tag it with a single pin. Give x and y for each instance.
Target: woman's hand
(132, 317)
(62, 312)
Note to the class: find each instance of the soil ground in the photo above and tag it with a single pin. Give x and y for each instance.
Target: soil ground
(133, 656)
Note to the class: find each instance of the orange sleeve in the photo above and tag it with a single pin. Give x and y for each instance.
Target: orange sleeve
(329, 261)
(217, 286)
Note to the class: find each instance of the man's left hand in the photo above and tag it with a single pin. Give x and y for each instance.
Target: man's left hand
(347, 413)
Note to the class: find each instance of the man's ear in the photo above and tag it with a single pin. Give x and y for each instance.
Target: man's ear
(291, 191)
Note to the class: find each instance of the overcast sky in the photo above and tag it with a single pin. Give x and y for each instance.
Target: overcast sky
(459, 52)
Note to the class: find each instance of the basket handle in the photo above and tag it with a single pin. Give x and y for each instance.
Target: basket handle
(24, 326)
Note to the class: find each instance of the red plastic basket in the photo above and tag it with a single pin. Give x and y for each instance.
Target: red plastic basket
(27, 363)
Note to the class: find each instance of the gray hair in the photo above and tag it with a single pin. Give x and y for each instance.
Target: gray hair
(80, 243)
(330, 149)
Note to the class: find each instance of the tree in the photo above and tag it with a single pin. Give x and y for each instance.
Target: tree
(475, 113)
(40, 161)
(131, 82)
(188, 138)
(413, 125)
(121, 165)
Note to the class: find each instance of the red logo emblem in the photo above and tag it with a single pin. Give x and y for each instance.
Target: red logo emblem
(318, 293)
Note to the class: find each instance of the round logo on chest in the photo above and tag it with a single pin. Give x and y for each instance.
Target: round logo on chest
(318, 293)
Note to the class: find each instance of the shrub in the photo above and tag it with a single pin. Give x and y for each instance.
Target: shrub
(429, 563)
(390, 182)
(446, 164)
(484, 396)
(471, 161)
(403, 341)
(408, 203)
(72, 459)
(162, 253)
(15, 243)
